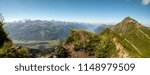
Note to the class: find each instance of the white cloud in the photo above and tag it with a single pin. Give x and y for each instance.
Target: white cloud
(145, 2)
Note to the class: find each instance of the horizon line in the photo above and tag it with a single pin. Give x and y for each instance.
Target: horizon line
(58, 20)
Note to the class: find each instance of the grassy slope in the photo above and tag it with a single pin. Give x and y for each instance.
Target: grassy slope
(101, 45)
(136, 35)
(7, 49)
(110, 35)
(145, 47)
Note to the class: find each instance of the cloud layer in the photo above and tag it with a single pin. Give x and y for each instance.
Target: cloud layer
(145, 2)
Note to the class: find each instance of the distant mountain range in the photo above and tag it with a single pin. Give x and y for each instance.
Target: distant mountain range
(46, 30)
(127, 39)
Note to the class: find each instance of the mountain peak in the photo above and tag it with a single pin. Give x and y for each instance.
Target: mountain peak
(126, 25)
(129, 20)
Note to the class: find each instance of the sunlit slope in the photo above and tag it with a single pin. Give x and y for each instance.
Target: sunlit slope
(135, 34)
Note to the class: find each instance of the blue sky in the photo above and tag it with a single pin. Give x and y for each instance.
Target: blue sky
(89, 11)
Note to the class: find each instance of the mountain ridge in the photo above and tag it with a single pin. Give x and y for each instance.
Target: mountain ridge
(127, 39)
(134, 34)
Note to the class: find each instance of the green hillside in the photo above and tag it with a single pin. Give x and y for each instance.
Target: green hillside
(7, 49)
(127, 39)
(135, 34)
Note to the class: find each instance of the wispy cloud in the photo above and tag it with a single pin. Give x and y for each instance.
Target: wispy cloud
(145, 2)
